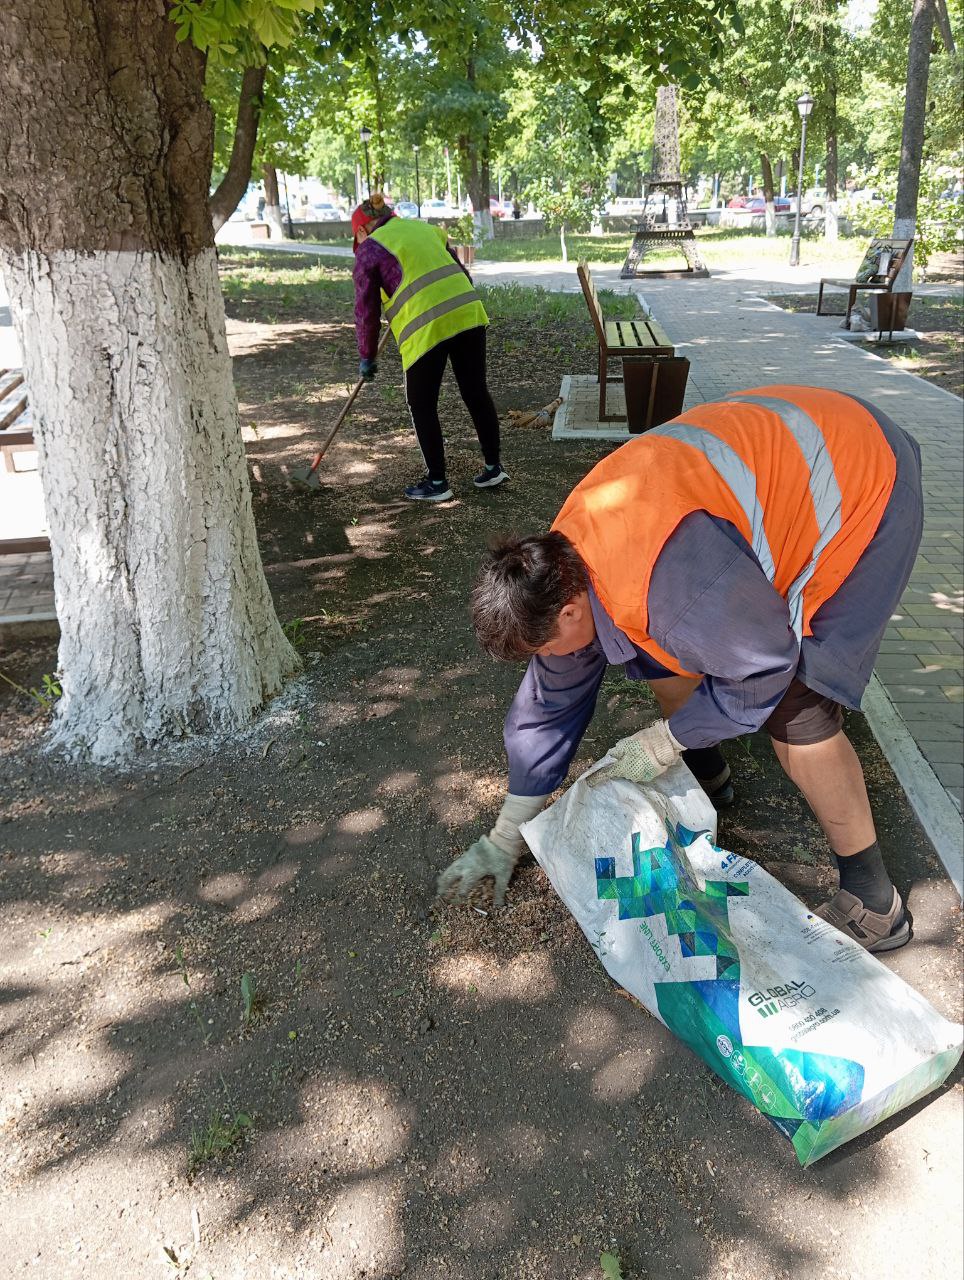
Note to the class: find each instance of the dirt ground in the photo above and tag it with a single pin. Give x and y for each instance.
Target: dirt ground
(402, 1088)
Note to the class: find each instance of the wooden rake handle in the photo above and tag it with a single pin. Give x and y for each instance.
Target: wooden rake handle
(346, 408)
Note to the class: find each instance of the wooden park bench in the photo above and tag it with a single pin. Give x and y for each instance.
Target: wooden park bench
(16, 431)
(654, 376)
(876, 275)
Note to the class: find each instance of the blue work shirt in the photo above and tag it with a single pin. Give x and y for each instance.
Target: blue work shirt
(712, 608)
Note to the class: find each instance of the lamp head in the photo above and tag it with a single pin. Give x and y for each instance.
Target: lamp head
(416, 149)
(365, 134)
(805, 105)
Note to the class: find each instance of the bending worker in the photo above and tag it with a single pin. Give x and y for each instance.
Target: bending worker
(745, 559)
(436, 317)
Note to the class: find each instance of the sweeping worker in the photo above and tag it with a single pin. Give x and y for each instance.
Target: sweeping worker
(436, 317)
(744, 559)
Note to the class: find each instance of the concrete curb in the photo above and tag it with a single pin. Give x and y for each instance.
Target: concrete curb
(936, 811)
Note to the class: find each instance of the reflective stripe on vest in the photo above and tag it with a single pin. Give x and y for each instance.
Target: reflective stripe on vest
(401, 296)
(824, 489)
(804, 474)
(435, 299)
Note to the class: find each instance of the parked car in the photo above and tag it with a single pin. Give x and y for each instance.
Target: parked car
(866, 196)
(814, 201)
(500, 208)
(438, 209)
(323, 212)
(738, 202)
(758, 204)
(406, 209)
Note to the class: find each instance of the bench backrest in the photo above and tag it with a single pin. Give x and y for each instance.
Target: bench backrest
(883, 259)
(592, 301)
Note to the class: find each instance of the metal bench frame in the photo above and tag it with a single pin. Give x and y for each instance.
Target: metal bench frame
(880, 283)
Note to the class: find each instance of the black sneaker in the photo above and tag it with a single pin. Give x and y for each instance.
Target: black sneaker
(429, 490)
(490, 477)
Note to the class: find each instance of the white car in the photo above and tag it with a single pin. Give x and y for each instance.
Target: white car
(438, 209)
(324, 212)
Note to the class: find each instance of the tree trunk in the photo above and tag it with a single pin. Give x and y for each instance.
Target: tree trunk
(831, 228)
(235, 182)
(912, 136)
(771, 213)
(167, 625)
(272, 203)
(562, 242)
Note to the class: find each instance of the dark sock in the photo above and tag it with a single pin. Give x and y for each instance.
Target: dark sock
(704, 763)
(865, 876)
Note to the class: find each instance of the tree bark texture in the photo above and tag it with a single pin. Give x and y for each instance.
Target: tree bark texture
(771, 212)
(167, 625)
(831, 221)
(235, 182)
(272, 203)
(912, 135)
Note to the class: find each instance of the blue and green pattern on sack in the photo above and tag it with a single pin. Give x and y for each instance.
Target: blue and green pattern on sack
(797, 1091)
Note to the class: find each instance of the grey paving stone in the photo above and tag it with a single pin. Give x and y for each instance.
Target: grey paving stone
(932, 670)
(942, 752)
(933, 634)
(952, 775)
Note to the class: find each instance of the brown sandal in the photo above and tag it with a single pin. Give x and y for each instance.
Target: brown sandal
(874, 931)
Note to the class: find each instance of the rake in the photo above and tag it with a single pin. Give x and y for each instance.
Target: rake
(307, 477)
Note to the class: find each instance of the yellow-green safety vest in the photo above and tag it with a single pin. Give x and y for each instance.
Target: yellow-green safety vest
(435, 299)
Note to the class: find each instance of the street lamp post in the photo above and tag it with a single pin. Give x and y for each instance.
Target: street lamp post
(366, 136)
(418, 188)
(804, 106)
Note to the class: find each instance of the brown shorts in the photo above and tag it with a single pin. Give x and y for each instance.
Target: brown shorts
(803, 717)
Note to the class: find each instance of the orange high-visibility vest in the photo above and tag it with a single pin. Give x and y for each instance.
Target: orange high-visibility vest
(803, 473)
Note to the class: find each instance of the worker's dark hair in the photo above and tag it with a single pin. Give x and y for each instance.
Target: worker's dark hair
(522, 586)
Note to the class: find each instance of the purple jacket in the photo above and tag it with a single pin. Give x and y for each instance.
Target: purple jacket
(376, 269)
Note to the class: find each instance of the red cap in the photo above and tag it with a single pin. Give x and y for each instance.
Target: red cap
(362, 216)
(359, 219)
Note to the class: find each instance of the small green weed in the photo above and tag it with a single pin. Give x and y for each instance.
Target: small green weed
(297, 634)
(612, 1268)
(252, 1000)
(182, 969)
(802, 854)
(45, 696)
(219, 1135)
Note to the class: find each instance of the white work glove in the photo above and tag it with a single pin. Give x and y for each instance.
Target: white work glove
(641, 757)
(493, 855)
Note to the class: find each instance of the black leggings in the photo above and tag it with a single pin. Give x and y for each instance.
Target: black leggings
(423, 381)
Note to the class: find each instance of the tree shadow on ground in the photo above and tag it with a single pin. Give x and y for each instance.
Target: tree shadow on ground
(435, 1091)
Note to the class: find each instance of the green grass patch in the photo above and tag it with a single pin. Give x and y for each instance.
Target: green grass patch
(259, 286)
(250, 275)
(720, 247)
(215, 1138)
(542, 307)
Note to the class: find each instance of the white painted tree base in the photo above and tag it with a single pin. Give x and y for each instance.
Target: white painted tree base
(167, 625)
